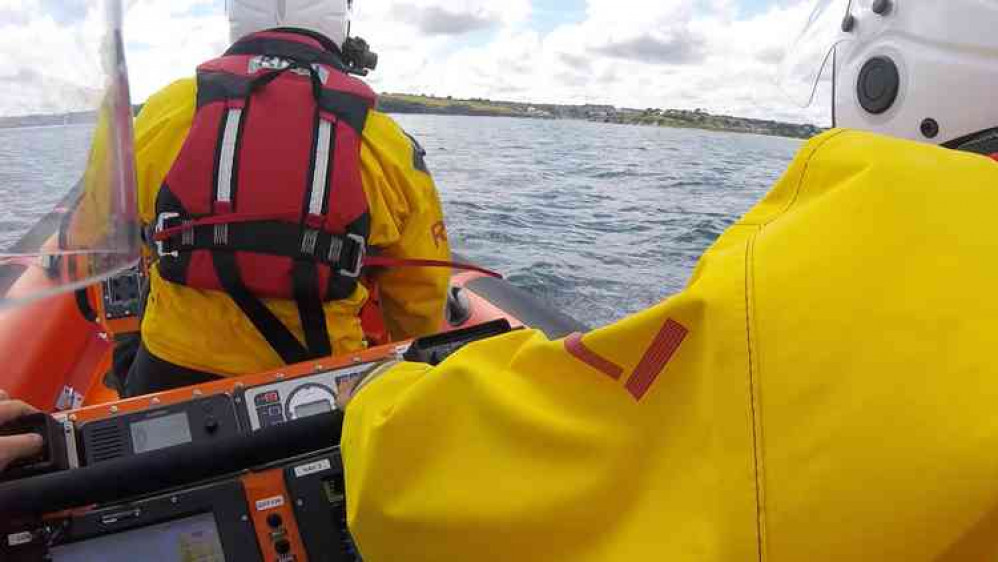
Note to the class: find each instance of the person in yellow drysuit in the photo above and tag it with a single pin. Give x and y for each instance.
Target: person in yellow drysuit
(823, 389)
(190, 335)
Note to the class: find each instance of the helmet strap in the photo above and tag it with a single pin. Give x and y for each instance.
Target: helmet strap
(982, 142)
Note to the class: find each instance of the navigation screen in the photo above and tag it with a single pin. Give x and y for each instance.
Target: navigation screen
(158, 433)
(313, 408)
(193, 539)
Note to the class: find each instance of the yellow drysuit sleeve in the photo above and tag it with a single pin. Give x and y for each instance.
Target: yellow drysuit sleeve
(394, 169)
(406, 222)
(160, 131)
(823, 390)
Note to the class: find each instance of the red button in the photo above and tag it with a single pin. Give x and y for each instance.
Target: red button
(267, 398)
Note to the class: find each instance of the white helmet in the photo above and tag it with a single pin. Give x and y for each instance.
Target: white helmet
(919, 69)
(330, 18)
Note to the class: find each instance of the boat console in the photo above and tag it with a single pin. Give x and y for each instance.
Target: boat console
(238, 470)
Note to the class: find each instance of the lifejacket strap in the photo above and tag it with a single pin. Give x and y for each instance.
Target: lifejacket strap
(281, 340)
(282, 239)
(385, 261)
(169, 225)
(305, 276)
(287, 50)
(273, 237)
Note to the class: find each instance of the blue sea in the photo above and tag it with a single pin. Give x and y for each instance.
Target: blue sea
(599, 220)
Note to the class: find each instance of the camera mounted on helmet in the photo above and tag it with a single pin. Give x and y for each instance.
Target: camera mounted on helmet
(358, 56)
(327, 18)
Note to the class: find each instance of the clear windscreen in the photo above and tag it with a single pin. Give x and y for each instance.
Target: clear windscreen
(67, 188)
(809, 59)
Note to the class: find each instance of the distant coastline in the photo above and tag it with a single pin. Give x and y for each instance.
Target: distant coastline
(696, 119)
(408, 103)
(76, 118)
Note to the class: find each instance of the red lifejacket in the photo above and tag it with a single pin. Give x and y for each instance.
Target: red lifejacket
(265, 198)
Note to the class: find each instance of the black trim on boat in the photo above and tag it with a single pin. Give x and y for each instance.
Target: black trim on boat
(173, 466)
(37, 236)
(83, 303)
(525, 307)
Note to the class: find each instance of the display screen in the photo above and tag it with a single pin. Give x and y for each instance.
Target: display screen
(313, 408)
(157, 433)
(192, 539)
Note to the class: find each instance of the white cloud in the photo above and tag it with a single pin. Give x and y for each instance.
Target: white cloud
(167, 39)
(49, 59)
(633, 53)
(423, 14)
(456, 18)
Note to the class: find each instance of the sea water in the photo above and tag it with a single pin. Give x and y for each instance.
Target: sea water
(599, 220)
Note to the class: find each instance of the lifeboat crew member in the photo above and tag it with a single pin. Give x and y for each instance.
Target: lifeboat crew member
(267, 182)
(823, 389)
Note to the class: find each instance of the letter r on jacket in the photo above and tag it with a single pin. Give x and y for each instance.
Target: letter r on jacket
(439, 232)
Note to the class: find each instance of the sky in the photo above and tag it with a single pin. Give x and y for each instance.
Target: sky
(718, 55)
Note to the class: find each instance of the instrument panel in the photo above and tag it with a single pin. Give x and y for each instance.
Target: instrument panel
(270, 404)
(289, 510)
(244, 469)
(199, 420)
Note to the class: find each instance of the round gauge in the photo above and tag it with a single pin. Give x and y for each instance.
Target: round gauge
(309, 400)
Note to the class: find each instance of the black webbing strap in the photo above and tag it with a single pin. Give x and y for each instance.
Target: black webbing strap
(263, 80)
(268, 237)
(305, 277)
(258, 83)
(982, 142)
(284, 343)
(286, 49)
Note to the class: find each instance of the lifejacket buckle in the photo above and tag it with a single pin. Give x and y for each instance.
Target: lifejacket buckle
(361, 253)
(160, 227)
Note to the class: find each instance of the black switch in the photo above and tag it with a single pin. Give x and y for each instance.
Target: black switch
(53, 455)
(282, 546)
(274, 520)
(210, 424)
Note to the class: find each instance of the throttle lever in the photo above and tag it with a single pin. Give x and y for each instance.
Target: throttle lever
(53, 456)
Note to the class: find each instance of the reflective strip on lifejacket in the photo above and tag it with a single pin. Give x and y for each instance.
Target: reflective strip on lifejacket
(227, 156)
(320, 175)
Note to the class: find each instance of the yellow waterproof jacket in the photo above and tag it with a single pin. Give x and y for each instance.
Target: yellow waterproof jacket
(823, 389)
(205, 330)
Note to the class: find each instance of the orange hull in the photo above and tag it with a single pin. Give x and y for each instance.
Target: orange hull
(57, 358)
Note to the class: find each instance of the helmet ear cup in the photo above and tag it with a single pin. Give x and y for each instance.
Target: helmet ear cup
(878, 84)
